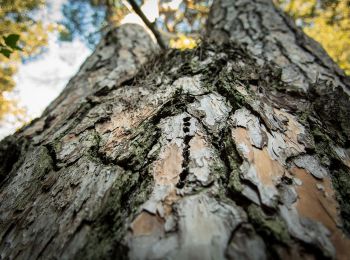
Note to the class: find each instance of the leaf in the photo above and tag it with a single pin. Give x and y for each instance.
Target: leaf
(5, 52)
(11, 41)
(18, 48)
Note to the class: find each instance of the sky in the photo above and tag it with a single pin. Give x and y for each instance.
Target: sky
(40, 81)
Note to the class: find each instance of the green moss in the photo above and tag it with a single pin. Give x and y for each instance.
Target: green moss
(93, 144)
(227, 87)
(195, 66)
(134, 153)
(225, 84)
(332, 106)
(44, 163)
(318, 134)
(234, 161)
(234, 184)
(303, 116)
(129, 191)
(341, 182)
(271, 227)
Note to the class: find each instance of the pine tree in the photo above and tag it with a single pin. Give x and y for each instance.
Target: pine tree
(237, 149)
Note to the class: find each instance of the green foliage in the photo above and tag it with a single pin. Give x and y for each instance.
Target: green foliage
(21, 37)
(270, 226)
(9, 45)
(11, 41)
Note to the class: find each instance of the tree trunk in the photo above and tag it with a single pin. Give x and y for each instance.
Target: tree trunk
(238, 149)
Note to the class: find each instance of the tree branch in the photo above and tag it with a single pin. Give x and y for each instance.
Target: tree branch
(150, 25)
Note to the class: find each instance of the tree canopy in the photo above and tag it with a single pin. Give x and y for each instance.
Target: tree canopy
(18, 20)
(180, 22)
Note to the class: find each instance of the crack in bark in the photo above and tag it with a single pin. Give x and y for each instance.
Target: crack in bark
(52, 153)
(186, 153)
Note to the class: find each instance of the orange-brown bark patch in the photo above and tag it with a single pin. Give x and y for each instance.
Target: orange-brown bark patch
(320, 205)
(168, 202)
(167, 169)
(121, 124)
(146, 224)
(266, 167)
(241, 136)
(197, 143)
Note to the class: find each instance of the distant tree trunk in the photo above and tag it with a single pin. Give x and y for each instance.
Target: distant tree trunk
(238, 149)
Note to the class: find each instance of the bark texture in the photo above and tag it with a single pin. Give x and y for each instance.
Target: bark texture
(238, 149)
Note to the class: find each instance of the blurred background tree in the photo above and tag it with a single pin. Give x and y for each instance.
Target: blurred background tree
(18, 17)
(180, 22)
(326, 21)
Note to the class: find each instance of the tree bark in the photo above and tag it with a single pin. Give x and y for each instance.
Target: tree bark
(238, 149)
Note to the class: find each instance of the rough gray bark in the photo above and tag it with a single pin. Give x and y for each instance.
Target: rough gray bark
(238, 149)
